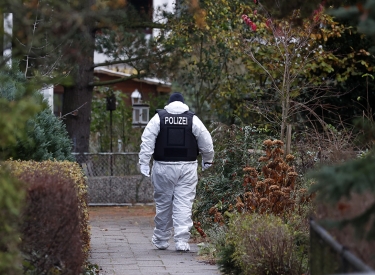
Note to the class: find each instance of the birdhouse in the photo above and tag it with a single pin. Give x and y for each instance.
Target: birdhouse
(111, 102)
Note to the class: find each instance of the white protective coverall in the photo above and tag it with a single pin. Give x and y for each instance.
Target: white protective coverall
(174, 182)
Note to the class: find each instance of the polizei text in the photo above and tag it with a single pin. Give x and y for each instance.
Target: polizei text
(179, 120)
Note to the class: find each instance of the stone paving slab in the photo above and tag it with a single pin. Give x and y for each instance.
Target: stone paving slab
(121, 245)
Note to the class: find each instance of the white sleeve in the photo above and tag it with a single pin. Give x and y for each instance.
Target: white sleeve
(204, 139)
(148, 138)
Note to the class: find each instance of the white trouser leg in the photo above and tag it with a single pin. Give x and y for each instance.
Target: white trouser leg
(184, 194)
(163, 196)
(174, 193)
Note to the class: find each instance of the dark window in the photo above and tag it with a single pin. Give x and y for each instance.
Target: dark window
(57, 104)
(142, 6)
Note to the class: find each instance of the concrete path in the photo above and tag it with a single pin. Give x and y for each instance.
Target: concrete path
(121, 245)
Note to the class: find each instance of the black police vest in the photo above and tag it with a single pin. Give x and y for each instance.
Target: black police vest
(176, 141)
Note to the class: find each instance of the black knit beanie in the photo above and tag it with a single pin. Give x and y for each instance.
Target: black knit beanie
(176, 97)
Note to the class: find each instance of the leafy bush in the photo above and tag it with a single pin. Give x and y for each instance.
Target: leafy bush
(263, 181)
(264, 244)
(236, 147)
(251, 177)
(51, 242)
(225, 260)
(218, 249)
(11, 201)
(46, 139)
(66, 172)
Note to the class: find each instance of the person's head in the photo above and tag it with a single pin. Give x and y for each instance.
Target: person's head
(176, 97)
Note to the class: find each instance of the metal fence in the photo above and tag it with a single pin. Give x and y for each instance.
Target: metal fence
(327, 256)
(108, 164)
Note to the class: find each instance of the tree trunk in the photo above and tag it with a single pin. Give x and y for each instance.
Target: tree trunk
(288, 139)
(286, 128)
(77, 98)
(2, 33)
(78, 121)
(283, 122)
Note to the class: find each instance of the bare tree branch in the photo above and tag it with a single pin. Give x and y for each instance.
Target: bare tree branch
(74, 112)
(126, 61)
(109, 82)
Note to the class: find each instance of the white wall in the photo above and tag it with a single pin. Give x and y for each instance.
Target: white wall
(8, 29)
(100, 58)
(47, 93)
(169, 6)
(169, 3)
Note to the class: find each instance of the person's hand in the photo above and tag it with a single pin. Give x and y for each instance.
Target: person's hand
(145, 170)
(206, 165)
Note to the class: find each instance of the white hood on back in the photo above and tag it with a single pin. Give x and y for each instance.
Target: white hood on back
(176, 107)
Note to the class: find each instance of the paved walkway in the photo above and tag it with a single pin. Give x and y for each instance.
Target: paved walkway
(121, 245)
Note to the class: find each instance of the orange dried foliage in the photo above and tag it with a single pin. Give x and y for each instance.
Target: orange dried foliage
(274, 193)
(272, 190)
(218, 218)
(198, 227)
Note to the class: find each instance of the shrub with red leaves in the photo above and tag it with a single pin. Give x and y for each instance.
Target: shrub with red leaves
(50, 228)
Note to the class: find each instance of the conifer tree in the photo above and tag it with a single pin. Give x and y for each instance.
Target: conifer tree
(46, 139)
(43, 136)
(355, 176)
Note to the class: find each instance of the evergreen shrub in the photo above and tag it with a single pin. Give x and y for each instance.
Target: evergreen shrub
(14, 86)
(345, 204)
(11, 202)
(17, 105)
(220, 250)
(38, 136)
(45, 138)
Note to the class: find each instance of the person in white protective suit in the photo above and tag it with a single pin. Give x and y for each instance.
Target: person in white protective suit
(174, 137)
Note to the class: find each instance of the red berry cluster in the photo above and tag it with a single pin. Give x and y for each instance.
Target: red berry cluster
(248, 22)
(317, 13)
